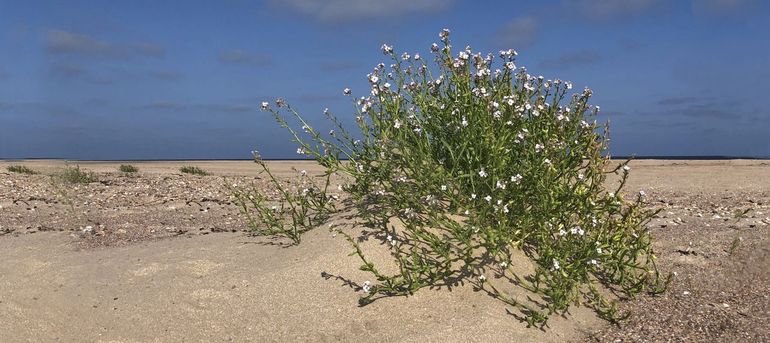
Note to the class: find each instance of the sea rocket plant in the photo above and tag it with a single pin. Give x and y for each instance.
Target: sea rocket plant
(477, 163)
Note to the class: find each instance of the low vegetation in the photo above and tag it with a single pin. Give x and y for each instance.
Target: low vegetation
(75, 175)
(21, 170)
(193, 170)
(128, 168)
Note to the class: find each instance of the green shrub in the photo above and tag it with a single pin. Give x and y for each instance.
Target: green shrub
(76, 175)
(21, 170)
(461, 167)
(193, 170)
(127, 168)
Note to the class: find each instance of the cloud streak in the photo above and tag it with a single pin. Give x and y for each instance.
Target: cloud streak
(164, 105)
(242, 57)
(723, 8)
(340, 11)
(61, 42)
(605, 10)
(518, 33)
(165, 75)
(571, 59)
(73, 72)
(333, 66)
(699, 107)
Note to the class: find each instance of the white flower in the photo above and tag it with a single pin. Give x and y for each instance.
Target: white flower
(516, 178)
(387, 49)
(265, 105)
(473, 196)
(593, 262)
(500, 184)
(373, 78)
(367, 286)
(581, 176)
(598, 250)
(301, 151)
(547, 161)
(405, 56)
(539, 147)
(488, 198)
(444, 34)
(562, 232)
(503, 264)
(483, 173)
(510, 66)
(345, 91)
(417, 57)
(464, 123)
(443, 187)
(434, 47)
(303, 172)
(577, 230)
(482, 278)
(642, 193)
(397, 124)
(505, 209)
(626, 168)
(556, 265)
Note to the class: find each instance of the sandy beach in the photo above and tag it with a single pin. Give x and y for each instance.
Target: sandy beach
(162, 256)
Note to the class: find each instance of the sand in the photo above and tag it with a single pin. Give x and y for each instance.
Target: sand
(161, 263)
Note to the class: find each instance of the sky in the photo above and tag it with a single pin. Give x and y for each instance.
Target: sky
(141, 79)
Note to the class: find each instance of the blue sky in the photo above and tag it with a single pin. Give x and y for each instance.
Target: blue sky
(183, 79)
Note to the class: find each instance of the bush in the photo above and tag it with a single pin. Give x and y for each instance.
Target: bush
(21, 170)
(77, 176)
(127, 168)
(193, 170)
(476, 166)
